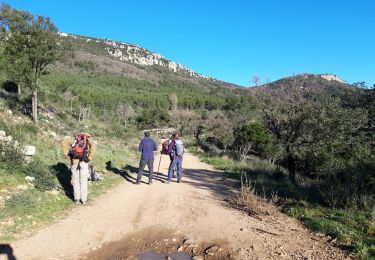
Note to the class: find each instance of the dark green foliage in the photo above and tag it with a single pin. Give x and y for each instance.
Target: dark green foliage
(44, 179)
(150, 118)
(250, 137)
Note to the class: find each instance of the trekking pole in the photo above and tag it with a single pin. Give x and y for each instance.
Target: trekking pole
(159, 162)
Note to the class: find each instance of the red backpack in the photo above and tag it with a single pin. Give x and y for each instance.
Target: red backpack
(165, 146)
(79, 148)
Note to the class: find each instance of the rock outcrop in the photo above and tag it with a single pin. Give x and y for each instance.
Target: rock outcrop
(132, 53)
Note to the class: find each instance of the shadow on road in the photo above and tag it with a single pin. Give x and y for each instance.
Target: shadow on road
(7, 250)
(157, 175)
(124, 173)
(220, 183)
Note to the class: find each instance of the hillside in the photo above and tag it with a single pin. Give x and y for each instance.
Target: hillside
(304, 87)
(130, 60)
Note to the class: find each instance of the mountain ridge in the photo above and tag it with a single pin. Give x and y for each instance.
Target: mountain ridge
(133, 53)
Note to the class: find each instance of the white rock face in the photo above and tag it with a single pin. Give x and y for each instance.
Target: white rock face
(29, 178)
(135, 54)
(332, 77)
(29, 150)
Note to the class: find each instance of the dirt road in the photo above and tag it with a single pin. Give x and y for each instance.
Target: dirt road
(192, 217)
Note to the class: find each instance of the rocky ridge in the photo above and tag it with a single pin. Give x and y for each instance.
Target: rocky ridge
(133, 53)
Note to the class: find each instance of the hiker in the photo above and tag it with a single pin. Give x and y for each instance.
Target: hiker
(80, 151)
(176, 151)
(165, 144)
(147, 147)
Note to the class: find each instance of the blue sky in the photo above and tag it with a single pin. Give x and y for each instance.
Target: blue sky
(233, 39)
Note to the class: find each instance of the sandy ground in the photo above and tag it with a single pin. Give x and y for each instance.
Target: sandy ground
(135, 218)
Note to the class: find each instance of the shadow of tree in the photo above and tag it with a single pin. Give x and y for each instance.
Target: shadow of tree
(266, 184)
(7, 250)
(222, 184)
(64, 176)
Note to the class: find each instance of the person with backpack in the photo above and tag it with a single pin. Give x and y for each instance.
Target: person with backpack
(147, 147)
(176, 151)
(164, 150)
(80, 152)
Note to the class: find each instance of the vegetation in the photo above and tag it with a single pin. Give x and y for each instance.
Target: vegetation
(30, 46)
(352, 228)
(307, 140)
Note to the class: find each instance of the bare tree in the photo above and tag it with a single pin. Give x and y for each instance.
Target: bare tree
(84, 112)
(220, 128)
(184, 120)
(255, 79)
(174, 102)
(124, 112)
(68, 97)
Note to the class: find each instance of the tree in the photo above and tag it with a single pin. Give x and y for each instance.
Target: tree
(249, 136)
(219, 127)
(255, 79)
(174, 102)
(11, 21)
(124, 112)
(183, 120)
(32, 45)
(285, 122)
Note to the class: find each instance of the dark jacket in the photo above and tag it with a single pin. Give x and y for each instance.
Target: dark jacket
(147, 147)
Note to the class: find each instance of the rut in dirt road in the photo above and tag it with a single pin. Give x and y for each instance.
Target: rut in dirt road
(162, 218)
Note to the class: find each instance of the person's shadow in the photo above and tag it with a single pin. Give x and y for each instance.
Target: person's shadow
(157, 175)
(64, 176)
(124, 173)
(6, 249)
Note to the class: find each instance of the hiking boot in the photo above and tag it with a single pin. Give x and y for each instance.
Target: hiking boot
(76, 202)
(84, 202)
(178, 181)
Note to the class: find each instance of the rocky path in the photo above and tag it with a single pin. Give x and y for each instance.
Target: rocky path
(190, 217)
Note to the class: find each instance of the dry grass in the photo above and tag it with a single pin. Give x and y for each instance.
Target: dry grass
(252, 203)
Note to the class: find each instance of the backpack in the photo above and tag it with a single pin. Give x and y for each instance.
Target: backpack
(179, 148)
(93, 176)
(79, 148)
(165, 146)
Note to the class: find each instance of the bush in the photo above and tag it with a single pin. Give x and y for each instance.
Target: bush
(44, 179)
(10, 154)
(249, 201)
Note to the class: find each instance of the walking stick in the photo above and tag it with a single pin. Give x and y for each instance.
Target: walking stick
(159, 162)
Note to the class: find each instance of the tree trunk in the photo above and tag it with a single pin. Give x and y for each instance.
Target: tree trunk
(292, 169)
(34, 105)
(19, 90)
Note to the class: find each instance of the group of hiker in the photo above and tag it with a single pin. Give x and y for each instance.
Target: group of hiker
(81, 151)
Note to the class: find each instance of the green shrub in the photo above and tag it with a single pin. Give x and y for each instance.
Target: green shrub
(23, 202)
(44, 178)
(10, 155)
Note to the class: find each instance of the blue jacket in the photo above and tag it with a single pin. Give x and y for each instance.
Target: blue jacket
(147, 147)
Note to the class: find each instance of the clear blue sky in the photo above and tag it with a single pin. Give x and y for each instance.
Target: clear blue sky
(233, 39)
